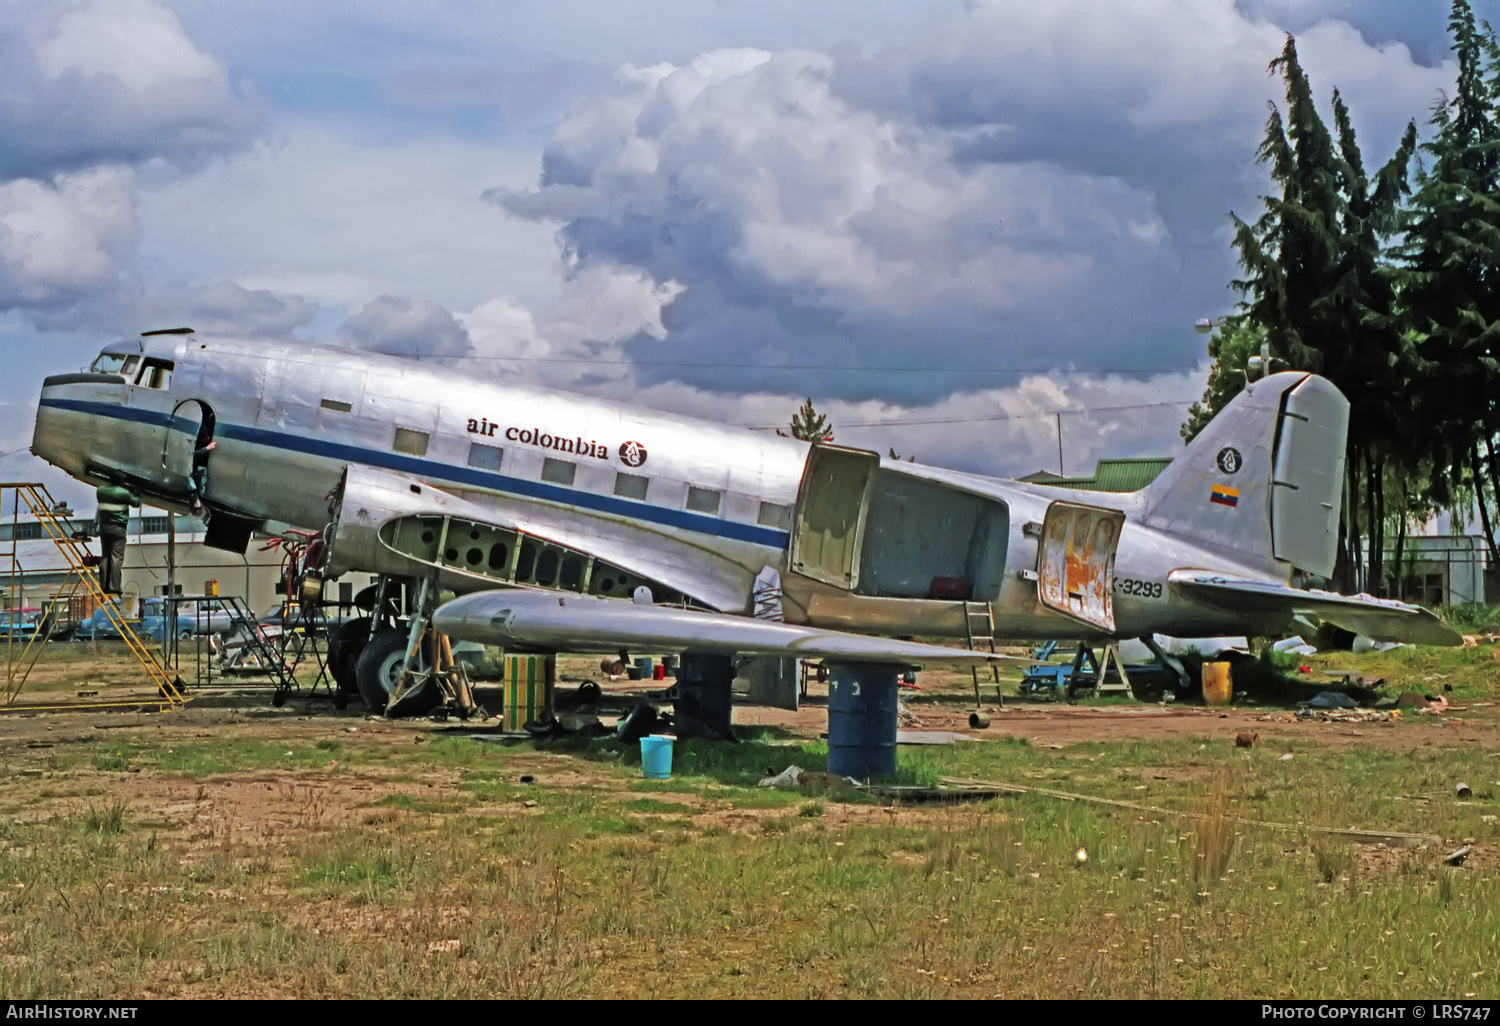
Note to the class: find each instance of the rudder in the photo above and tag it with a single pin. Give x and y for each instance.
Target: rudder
(1264, 478)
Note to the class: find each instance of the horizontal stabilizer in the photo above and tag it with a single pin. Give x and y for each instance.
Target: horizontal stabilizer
(546, 621)
(1380, 619)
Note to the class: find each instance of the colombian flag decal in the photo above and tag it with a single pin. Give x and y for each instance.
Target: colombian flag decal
(1224, 495)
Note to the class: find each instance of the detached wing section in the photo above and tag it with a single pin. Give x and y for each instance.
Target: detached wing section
(1381, 619)
(550, 622)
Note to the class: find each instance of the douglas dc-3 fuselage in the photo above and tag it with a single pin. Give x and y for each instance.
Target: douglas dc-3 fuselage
(526, 494)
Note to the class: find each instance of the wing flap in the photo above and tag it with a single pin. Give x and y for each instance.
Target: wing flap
(580, 623)
(1380, 619)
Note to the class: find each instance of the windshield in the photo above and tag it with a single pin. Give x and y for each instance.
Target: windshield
(109, 363)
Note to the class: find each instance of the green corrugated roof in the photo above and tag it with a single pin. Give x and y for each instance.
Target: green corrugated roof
(1110, 475)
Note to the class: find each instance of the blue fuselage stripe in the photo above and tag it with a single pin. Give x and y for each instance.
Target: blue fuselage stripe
(432, 470)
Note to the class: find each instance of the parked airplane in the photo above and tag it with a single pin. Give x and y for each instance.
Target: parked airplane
(426, 473)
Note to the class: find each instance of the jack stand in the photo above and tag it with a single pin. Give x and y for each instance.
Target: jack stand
(705, 697)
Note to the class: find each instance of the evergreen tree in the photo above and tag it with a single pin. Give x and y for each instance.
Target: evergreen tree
(1319, 287)
(809, 425)
(1451, 292)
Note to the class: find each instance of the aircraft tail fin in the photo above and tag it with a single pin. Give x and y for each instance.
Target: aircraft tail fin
(1264, 479)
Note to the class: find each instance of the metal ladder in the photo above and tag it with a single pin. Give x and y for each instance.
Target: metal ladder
(267, 659)
(979, 626)
(59, 531)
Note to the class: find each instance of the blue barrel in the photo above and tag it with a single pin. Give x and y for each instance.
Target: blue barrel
(862, 721)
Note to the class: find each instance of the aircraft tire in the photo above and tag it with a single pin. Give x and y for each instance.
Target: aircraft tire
(379, 667)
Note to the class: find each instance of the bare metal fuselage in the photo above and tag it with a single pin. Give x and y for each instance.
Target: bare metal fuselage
(718, 506)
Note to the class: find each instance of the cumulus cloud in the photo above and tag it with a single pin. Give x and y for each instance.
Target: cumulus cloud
(109, 82)
(65, 243)
(399, 326)
(228, 308)
(89, 93)
(1025, 186)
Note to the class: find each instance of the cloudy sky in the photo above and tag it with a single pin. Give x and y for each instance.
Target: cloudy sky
(941, 220)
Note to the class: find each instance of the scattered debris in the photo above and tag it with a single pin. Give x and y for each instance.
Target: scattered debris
(1462, 790)
(978, 721)
(1286, 758)
(529, 803)
(1363, 644)
(906, 717)
(1456, 858)
(1081, 856)
(1246, 739)
(1295, 645)
(794, 777)
(450, 946)
(528, 778)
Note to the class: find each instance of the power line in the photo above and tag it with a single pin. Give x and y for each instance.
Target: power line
(843, 368)
(906, 421)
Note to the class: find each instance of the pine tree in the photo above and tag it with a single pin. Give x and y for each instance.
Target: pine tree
(1319, 286)
(809, 425)
(1451, 292)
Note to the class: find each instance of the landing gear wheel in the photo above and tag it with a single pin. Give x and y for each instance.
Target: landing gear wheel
(379, 670)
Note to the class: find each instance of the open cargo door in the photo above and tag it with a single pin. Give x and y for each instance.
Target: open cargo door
(832, 504)
(1076, 562)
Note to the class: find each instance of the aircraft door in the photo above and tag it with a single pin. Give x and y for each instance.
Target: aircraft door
(829, 523)
(1076, 562)
(180, 439)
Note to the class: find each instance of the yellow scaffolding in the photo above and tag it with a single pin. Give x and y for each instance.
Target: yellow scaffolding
(19, 659)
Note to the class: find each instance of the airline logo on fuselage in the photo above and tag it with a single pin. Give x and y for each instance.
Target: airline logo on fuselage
(633, 454)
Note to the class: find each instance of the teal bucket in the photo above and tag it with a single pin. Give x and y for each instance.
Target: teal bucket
(656, 757)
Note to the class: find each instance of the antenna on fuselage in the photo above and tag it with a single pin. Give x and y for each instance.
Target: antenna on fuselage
(167, 331)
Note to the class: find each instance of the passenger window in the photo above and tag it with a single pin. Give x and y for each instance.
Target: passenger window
(703, 500)
(485, 457)
(558, 471)
(413, 443)
(336, 406)
(631, 486)
(775, 515)
(156, 373)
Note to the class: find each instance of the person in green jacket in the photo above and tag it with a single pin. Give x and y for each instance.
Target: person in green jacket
(113, 502)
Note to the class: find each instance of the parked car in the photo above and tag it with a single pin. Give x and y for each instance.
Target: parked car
(98, 627)
(202, 616)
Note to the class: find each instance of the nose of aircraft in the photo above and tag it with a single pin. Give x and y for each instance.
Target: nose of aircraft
(67, 414)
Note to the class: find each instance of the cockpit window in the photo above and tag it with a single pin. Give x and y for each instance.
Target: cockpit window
(155, 373)
(129, 368)
(109, 363)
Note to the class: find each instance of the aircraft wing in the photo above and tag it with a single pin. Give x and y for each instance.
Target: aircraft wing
(1380, 619)
(547, 621)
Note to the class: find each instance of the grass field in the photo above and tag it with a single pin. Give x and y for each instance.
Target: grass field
(227, 854)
